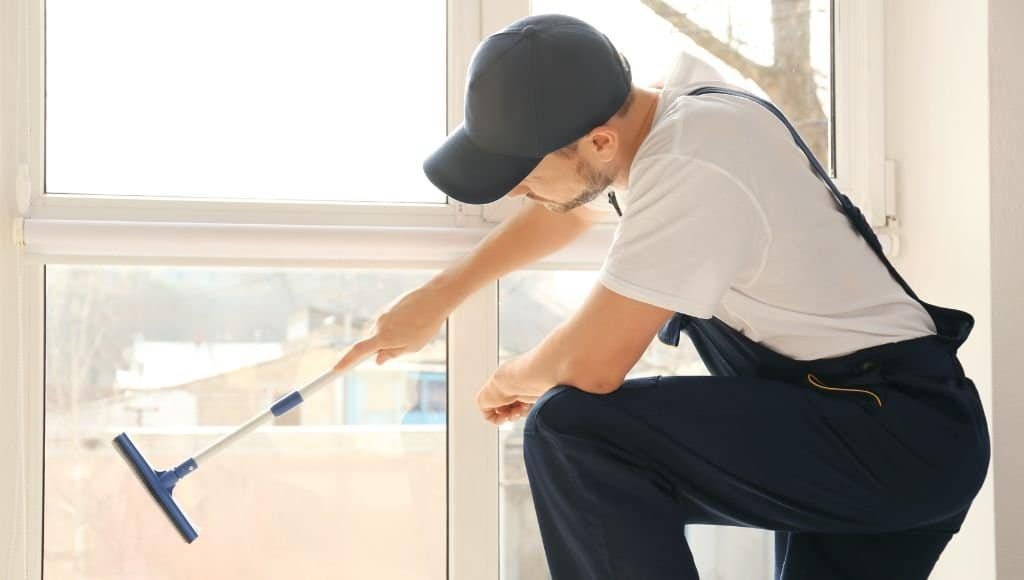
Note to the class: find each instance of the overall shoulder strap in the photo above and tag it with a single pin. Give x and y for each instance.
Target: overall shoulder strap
(852, 211)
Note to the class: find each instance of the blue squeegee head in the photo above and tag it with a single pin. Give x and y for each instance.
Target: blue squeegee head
(159, 484)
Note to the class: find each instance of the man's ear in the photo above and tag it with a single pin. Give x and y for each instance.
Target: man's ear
(603, 142)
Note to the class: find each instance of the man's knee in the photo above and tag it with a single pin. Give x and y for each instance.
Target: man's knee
(575, 406)
(541, 405)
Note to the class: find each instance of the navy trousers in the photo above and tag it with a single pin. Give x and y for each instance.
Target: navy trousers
(864, 465)
(855, 489)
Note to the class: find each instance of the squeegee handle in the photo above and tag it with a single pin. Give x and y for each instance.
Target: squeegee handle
(280, 407)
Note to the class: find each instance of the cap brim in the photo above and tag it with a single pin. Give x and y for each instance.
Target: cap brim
(471, 174)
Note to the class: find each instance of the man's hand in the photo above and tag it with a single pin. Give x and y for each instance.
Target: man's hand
(408, 323)
(498, 399)
(510, 412)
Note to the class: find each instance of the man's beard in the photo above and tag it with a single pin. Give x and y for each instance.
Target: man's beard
(594, 184)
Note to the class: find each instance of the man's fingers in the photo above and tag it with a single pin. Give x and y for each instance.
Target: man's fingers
(509, 412)
(384, 355)
(514, 407)
(357, 352)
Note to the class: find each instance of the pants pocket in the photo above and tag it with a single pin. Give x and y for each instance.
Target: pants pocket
(816, 382)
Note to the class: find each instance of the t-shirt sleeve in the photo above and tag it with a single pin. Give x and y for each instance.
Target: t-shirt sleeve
(690, 231)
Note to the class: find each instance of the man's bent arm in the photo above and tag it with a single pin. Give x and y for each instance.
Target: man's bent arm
(593, 350)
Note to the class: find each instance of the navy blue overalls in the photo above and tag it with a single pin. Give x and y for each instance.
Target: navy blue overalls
(864, 464)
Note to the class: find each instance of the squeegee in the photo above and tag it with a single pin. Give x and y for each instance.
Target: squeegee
(160, 484)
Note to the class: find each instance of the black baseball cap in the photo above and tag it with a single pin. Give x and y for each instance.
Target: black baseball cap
(534, 87)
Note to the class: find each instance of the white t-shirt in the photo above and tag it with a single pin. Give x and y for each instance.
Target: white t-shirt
(724, 217)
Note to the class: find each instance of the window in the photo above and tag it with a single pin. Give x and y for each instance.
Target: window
(431, 400)
(531, 304)
(176, 357)
(254, 101)
(148, 175)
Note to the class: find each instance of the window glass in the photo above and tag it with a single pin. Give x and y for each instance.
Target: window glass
(532, 304)
(783, 47)
(353, 479)
(304, 100)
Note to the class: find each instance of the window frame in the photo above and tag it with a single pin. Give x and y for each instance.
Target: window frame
(47, 227)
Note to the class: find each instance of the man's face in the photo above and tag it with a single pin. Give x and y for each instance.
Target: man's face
(563, 181)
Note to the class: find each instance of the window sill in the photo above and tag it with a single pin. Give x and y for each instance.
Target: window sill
(77, 241)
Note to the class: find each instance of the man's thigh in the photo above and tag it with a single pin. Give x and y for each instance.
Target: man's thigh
(755, 452)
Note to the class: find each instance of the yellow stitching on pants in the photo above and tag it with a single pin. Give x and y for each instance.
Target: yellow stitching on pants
(817, 383)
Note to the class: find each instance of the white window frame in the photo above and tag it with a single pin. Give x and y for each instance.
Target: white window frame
(864, 174)
(70, 229)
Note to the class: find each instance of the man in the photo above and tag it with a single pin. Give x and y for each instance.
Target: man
(837, 412)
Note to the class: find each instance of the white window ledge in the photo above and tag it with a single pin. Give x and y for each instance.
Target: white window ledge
(76, 241)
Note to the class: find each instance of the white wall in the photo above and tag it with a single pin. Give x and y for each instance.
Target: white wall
(11, 548)
(953, 124)
(1006, 83)
(937, 131)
